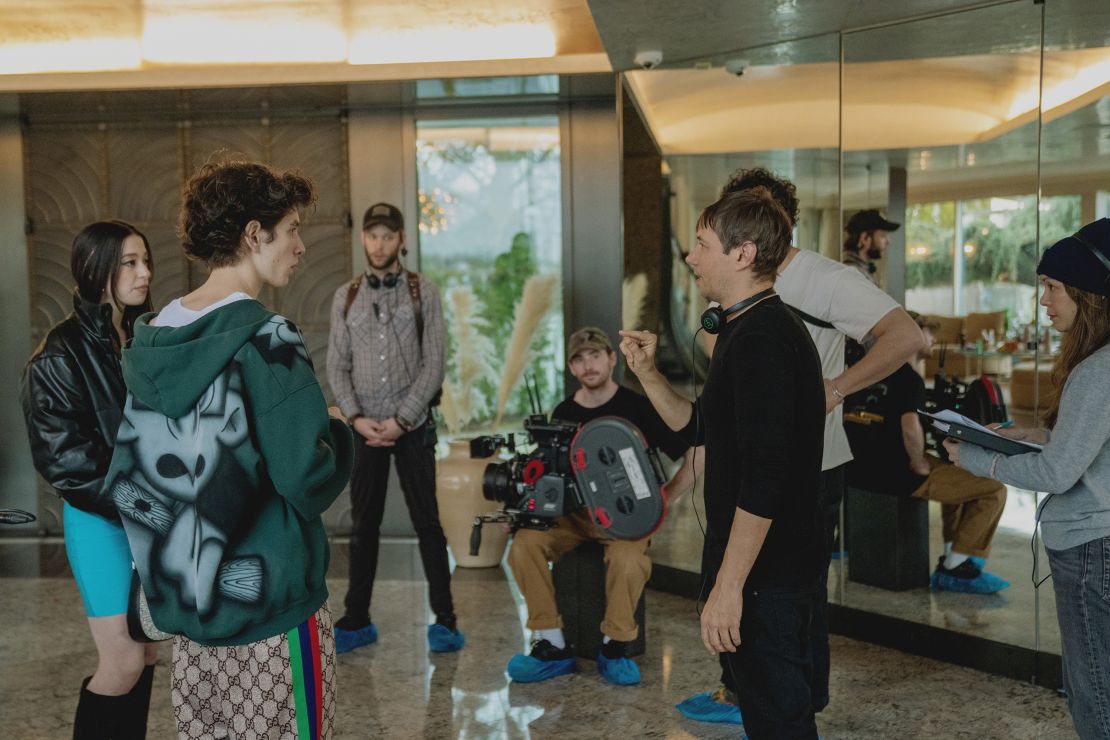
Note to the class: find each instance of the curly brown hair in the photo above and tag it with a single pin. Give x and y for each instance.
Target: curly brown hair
(782, 190)
(224, 196)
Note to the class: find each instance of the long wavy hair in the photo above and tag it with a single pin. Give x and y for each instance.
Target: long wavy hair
(1089, 333)
(94, 263)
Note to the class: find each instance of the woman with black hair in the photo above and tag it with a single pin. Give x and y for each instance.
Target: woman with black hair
(73, 395)
(1073, 467)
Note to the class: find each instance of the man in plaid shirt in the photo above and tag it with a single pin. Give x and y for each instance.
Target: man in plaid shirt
(385, 366)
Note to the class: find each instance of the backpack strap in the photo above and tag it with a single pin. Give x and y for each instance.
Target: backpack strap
(414, 293)
(810, 319)
(352, 292)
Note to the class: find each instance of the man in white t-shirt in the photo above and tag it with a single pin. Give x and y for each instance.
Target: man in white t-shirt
(835, 301)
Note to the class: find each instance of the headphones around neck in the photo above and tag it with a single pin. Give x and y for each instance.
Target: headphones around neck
(389, 281)
(713, 318)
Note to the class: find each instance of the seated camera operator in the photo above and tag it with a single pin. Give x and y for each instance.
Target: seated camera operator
(591, 361)
(890, 457)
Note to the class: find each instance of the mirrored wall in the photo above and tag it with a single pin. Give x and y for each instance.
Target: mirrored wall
(940, 131)
(984, 152)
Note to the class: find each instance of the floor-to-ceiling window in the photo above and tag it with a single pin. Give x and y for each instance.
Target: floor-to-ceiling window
(491, 239)
(989, 263)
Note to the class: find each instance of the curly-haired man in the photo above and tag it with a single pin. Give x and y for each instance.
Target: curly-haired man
(226, 458)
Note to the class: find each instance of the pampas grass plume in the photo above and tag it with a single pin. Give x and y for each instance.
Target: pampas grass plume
(533, 305)
(473, 351)
(448, 408)
(634, 296)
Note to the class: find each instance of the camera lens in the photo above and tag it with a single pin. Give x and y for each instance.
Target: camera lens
(497, 482)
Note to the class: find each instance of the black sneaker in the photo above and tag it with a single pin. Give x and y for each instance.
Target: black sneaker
(967, 569)
(967, 578)
(544, 662)
(352, 624)
(614, 649)
(544, 650)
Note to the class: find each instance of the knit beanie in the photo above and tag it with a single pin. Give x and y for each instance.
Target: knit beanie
(1081, 260)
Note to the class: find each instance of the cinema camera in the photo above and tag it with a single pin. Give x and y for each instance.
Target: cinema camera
(603, 465)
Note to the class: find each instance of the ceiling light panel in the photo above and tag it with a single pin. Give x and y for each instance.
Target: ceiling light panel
(243, 31)
(69, 36)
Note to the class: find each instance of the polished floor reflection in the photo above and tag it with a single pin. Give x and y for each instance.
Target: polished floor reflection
(396, 689)
(1008, 616)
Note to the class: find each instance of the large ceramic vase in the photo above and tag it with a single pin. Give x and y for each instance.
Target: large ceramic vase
(459, 495)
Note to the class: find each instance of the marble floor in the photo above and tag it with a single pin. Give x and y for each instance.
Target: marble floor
(396, 689)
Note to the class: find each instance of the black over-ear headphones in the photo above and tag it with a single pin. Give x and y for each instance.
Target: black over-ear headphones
(391, 278)
(389, 281)
(1098, 255)
(713, 318)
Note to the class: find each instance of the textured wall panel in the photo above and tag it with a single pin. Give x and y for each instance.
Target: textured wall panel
(81, 169)
(144, 176)
(308, 96)
(65, 175)
(209, 141)
(52, 299)
(236, 99)
(323, 268)
(170, 267)
(317, 342)
(315, 150)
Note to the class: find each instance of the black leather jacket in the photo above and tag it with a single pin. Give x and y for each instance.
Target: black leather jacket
(73, 397)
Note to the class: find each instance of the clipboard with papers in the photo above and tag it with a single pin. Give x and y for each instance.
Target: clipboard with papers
(964, 429)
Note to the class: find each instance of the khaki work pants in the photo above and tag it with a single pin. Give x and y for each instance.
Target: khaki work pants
(627, 567)
(971, 507)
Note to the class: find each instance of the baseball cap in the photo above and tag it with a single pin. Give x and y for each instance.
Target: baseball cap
(589, 337)
(869, 220)
(383, 213)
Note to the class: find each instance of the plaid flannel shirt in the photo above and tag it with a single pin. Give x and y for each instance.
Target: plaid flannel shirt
(376, 366)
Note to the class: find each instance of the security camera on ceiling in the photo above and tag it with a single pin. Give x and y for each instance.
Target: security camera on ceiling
(648, 59)
(737, 67)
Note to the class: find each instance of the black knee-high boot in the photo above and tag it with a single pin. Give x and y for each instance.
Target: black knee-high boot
(96, 714)
(131, 724)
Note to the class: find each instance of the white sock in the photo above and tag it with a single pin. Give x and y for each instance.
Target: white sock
(947, 549)
(954, 559)
(554, 636)
(605, 639)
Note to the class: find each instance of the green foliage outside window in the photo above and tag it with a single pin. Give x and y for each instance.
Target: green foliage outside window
(472, 194)
(999, 246)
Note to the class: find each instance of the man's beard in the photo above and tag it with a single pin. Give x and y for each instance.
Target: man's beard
(874, 253)
(394, 261)
(596, 382)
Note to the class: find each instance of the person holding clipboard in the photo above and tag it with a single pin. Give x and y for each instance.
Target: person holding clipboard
(1073, 467)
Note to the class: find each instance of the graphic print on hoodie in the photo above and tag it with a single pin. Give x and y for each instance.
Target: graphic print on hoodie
(224, 461)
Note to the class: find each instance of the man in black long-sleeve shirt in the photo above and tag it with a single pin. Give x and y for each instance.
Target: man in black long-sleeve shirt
(761, 417)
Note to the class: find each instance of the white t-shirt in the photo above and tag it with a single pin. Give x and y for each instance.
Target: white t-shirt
(174, 314)
(840, 295)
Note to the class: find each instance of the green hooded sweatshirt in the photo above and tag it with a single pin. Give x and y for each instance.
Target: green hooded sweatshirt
(224, 462)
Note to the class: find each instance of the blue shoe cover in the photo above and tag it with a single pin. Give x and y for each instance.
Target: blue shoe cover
(348, 640)
(985, 583)
(702, 708)
(618, 671)
(443, 640)
(526, 669)
(979, 562)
